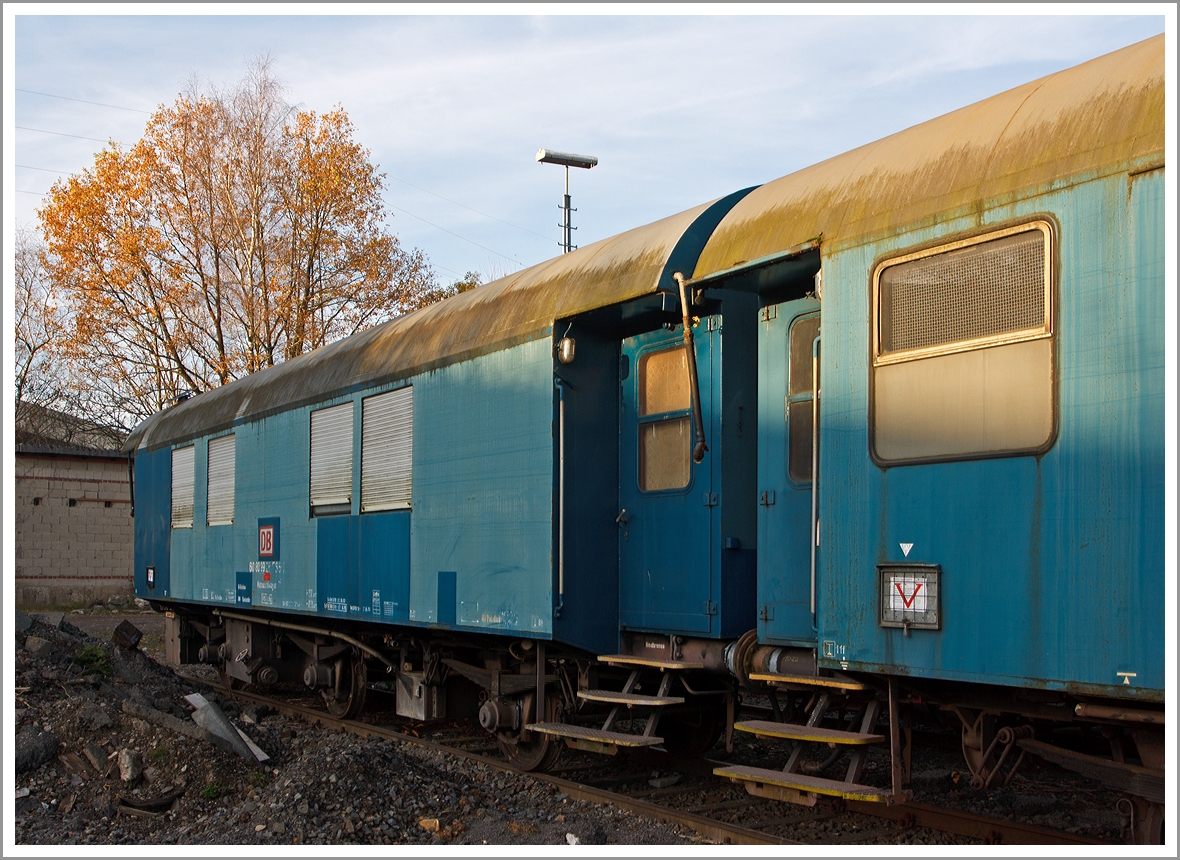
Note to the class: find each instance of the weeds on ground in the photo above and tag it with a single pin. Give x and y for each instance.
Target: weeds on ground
(94, 658)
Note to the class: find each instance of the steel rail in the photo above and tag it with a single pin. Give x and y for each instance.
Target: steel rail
(943, 819)
(715, 830)
(992, 830)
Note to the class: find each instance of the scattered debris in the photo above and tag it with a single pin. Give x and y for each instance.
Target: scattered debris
(40, 649)
(33, 748)
(97, 757)
(127, 635)
(209, 716)
(130, 766)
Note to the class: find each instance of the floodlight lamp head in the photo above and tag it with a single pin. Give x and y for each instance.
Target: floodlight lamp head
(567, 159)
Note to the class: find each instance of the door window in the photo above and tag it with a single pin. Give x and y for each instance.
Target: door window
(665, 421)
(800, 390)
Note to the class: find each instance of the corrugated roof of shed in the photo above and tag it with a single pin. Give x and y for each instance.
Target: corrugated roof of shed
(510, 310)
(1103, 116)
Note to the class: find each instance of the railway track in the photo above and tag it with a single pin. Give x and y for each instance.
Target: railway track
(689, 795)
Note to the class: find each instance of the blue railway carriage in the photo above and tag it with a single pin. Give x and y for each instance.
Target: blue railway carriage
(971, 313)
(885, 434)
(433, 503)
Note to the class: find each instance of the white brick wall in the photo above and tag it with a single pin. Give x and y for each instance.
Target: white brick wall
(67, 555)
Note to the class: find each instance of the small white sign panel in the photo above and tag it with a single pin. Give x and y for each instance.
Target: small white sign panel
(905, 549)
(908, 593)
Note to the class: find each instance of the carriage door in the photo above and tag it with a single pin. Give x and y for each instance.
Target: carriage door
(786, 336)
(666, 524)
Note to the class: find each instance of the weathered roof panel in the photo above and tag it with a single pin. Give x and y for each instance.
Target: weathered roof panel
(510, 310)
(1101, 116)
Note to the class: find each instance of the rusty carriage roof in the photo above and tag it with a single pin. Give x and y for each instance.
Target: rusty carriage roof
(1097, 118)
(510, 310)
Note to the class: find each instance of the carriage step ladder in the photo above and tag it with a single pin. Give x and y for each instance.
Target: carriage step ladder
(790, 785)
(605, 740)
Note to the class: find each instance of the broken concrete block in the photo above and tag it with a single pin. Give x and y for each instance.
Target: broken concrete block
(130, 765)
(97, 757)
(32, 749)
(23, 622)
(51, 619)
(92, 718)
(127, 635)
(38, 647)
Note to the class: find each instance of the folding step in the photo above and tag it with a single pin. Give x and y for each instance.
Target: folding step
(628, 699)
(628, 660)
(812, 734)
(808, 680)
(757, 780)
(592, 739)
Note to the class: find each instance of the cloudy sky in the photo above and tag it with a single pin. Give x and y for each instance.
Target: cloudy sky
(679, 108)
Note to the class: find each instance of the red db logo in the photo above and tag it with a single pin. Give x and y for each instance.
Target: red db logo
(266, 541)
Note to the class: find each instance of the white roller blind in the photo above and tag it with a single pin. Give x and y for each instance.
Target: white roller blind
(331, 456)
(387, 448)
(182, 488)
(221, 481)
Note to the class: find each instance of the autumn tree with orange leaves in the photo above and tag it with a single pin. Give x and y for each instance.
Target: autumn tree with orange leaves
(237, 233)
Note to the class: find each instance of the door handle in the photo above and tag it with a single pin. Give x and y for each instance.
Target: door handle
(622, 518)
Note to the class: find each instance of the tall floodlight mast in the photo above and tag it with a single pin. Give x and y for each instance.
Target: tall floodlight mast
(567, 160)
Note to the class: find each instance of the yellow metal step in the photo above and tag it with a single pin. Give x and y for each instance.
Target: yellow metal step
(808, 680)
(758, 776)
(813, 734)
(628, 660)
(588, 733)
(628, 699)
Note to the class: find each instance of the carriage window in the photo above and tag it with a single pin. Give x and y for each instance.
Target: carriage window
(331, 460)
(962, 348)
(221, 481)
(665, 442)
(663, 382)
(800, 391)
(182, 488)
(387, 447)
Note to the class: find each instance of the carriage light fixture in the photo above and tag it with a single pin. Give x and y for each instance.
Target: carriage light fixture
(565, 350)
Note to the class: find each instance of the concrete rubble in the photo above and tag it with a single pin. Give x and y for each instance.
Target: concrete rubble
(112, 752)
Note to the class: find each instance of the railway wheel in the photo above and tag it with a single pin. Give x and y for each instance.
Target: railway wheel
(347, 696)
(692, 731)
(540, 752)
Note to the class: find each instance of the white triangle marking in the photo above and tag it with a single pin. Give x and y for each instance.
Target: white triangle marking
(905, 549)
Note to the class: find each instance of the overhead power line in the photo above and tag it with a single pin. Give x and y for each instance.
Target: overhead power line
(61, 134)
(469, 209)
(46, 169)
(456, 235)
(83, 101)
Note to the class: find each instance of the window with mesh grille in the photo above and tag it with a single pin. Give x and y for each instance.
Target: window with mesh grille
(990, 289)
(220, 504)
